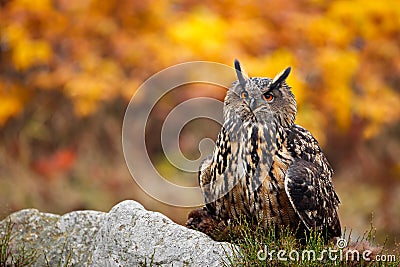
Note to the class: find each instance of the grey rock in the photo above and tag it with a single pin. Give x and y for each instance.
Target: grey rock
(57, 240)
(128, 235)
(132, 236)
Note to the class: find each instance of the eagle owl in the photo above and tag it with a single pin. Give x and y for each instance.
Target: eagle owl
(264, 166)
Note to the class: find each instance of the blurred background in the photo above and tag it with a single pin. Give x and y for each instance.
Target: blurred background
(69, 68)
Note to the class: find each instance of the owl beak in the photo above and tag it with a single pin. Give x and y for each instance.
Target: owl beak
(253, 104)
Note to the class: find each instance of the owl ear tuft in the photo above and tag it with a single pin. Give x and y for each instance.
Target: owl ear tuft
(280, 78)
(240, 73)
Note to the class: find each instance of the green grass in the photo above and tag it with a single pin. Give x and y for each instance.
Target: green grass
(151, 263)
(19, 257)
(8, 257)
(264, 247)
(61, 262)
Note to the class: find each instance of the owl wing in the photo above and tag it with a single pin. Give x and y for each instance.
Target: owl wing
(308, 184)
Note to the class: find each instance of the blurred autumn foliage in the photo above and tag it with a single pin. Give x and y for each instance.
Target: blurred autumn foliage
(69, 68)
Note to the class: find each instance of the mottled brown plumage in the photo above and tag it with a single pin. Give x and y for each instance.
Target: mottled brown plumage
(264, 166)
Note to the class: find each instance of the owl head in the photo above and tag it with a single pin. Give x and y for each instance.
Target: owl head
(254, 99)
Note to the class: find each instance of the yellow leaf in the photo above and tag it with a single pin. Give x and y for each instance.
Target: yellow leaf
(338, 68)
(37, 5)
(202, 32)
(11, 102)
(27, 53)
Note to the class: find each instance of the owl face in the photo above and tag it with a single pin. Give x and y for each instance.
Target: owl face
(255, 99)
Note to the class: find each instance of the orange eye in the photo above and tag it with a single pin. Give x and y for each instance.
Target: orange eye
(244, 94)
(268, 97)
